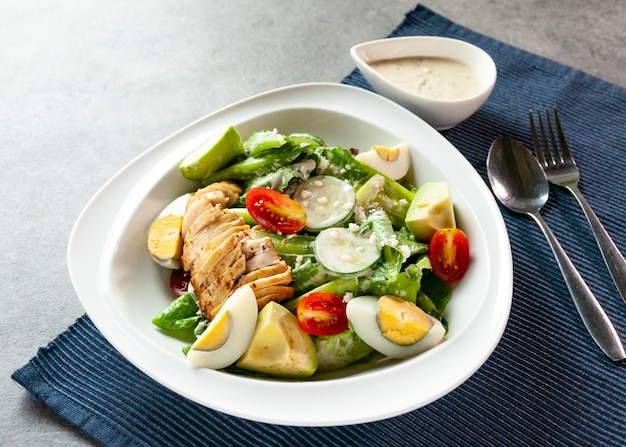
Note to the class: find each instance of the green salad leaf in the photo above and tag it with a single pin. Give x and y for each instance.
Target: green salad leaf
(180, 317)
(308, 275)
(382, 192)
(336, 351)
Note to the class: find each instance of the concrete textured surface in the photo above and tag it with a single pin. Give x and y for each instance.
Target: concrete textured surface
(86, 86)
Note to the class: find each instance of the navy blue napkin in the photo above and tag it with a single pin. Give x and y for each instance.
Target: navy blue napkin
(545, 384)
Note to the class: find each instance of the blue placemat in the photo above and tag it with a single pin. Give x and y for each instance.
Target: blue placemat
(545, 384)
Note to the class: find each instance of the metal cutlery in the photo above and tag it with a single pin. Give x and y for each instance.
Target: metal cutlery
(520, 184)
(560, 169)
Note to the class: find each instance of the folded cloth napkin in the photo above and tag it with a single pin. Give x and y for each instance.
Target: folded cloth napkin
(545, 384)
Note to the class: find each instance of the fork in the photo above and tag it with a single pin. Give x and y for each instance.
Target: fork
(560, 169)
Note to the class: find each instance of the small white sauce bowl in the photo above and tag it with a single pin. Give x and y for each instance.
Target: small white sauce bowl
(439, 113)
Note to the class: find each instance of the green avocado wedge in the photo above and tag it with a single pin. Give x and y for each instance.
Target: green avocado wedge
(218, 151)
(431, 209)
(278, 346)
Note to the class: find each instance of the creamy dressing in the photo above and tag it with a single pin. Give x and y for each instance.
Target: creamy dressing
(434, 77)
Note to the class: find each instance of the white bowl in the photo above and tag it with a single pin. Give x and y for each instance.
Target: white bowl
(439, 113)
(122, 288)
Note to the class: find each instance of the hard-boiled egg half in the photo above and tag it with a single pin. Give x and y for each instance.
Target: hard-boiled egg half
(228, 335)
(165, 241)
(393, 161)
(393, 326)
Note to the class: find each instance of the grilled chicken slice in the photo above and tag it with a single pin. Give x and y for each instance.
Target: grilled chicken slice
(208, 247)
(270, 271)
(229, 246)
(207, 231)
(270, 283)
(224, 194)
(279, 279)
(215, 285)
(231, 190)
(273, 293)
(195, 208)
(259, 253)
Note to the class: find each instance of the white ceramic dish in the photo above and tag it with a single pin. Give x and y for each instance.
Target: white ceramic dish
(441, 114)
(121, 288)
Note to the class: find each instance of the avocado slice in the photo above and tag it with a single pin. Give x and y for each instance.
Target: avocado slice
(278, 346)
(431, 209)
(218, 151)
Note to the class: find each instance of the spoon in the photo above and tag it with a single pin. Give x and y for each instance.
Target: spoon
(520, 184)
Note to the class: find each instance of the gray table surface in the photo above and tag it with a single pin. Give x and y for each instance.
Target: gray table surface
(86, 86)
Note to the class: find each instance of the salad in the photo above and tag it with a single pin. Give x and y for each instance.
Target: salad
(294, 257)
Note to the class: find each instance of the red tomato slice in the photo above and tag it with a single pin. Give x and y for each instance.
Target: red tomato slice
(322, 313)
(179, 282)
(449, 254)
(275, 211)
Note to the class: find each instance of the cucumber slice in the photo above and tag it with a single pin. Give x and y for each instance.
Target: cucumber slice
(345, 252)
(327, 201)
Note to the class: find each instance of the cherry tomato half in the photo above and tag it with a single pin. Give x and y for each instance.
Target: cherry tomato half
(179, 282)
(449, 254)
(322, 313)
(275, 211)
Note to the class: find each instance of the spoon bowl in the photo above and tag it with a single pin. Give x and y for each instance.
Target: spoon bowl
(516, 178)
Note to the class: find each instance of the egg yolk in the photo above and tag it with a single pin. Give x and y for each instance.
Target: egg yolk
(216, 334)
(387, 153)
(164, 239)
(400, 321)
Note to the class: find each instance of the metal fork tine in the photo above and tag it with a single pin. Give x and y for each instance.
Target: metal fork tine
(550, 161)
(565, 153)
(554, 146)
(538, 151)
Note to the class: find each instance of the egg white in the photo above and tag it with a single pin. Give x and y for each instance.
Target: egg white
(177, 208)
(241, 308)
(361, 312)
(396, 169)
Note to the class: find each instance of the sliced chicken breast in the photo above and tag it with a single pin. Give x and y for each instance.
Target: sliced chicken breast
(223, 253)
